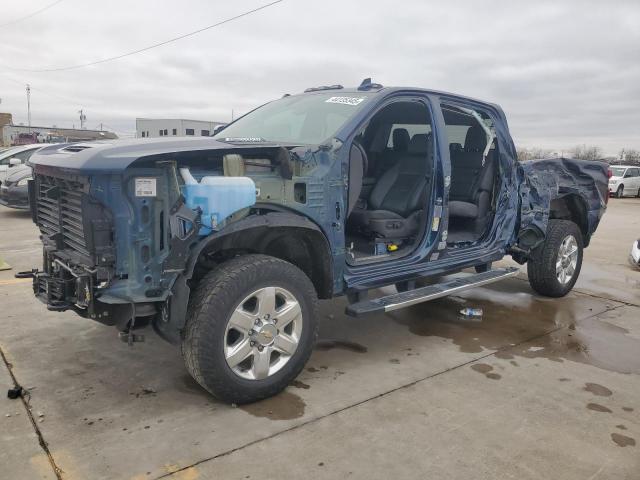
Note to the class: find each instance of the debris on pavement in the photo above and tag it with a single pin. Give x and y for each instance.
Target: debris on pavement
(471, 312)
(14, 392)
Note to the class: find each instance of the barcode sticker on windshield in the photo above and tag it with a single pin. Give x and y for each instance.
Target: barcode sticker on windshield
(346, 100)
(145, 187)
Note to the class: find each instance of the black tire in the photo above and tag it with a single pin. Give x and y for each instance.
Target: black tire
(210, 307)
(541, 267)
(620, 191)
(638, 194)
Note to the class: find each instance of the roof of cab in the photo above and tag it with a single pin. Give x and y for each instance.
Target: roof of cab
(378, 89)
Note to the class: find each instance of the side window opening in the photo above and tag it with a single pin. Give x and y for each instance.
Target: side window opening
(474, 168)
(390, 177)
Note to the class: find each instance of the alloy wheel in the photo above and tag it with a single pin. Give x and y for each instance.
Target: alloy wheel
(567, 259)
(263, 333)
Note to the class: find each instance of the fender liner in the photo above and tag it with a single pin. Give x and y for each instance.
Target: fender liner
(168, 325)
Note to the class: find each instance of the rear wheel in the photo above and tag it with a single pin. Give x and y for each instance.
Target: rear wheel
(250, 329)
(620, 191)
(554, 266)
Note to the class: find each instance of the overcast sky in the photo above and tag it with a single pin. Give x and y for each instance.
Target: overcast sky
(566, 72)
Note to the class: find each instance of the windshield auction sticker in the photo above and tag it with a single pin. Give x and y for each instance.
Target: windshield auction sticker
(353, 101)
(145, 187)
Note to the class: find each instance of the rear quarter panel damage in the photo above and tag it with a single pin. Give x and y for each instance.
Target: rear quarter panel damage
(544, 181)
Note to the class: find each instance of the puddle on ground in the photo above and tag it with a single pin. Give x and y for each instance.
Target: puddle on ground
(299, 384)
(512, 316)
(329, 344)
(481, 368)
(597, 389)
(485, 370)
(596, 407)
(623, 440)
(284, 406)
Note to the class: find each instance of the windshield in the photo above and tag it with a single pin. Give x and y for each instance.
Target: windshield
(304, 119)
(617, 171)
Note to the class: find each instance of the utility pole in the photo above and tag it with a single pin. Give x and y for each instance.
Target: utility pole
(83, 118)
(29, 107)
(232, 114)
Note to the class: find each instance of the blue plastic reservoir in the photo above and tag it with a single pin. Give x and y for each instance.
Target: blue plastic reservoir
(217, 197)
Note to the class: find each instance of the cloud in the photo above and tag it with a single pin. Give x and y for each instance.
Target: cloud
(566, 72)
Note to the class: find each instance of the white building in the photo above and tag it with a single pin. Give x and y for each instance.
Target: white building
(170, 127)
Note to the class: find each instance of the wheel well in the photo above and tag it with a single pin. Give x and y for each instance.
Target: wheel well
(305, 248)
(571, 207)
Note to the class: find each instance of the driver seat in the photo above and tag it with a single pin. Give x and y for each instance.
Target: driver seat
(396, 202)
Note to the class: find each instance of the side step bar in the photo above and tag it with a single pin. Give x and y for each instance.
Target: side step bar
(431, 292)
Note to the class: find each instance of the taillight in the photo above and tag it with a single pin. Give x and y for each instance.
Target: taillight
(609, 173)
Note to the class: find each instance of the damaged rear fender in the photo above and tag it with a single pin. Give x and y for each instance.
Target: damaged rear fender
(560, 188)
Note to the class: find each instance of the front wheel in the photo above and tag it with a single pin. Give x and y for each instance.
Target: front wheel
(251, 326)
(620, 191)
(554, 266)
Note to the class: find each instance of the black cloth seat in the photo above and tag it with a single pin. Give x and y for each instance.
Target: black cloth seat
(472, 182)
(390, 156)
(397, 200)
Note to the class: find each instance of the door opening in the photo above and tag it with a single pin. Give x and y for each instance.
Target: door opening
(391, 170)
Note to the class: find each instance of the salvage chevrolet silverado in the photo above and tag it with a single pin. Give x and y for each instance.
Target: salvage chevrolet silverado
(225, 244)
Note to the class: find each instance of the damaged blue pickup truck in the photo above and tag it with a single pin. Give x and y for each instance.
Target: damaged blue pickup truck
(224, 244)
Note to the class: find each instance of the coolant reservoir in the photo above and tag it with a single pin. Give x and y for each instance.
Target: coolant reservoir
(217, 197)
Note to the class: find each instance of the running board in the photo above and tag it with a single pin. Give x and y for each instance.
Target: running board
(431, 292)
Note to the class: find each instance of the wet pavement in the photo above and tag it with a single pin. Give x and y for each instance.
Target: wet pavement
(535, 388)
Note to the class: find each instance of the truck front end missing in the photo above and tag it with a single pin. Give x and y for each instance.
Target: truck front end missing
(105, 238)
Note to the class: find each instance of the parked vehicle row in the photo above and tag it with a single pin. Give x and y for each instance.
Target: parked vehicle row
(14, 175)
(14, 190)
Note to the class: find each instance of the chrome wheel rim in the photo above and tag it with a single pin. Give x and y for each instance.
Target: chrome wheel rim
(263, 333)
(567, 259)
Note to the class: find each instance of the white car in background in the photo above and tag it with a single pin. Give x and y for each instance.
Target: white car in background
(624, 181)
(14, 156)
(634, 255)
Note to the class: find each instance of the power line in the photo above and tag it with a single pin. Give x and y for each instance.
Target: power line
(49, 94)
(17, 20)
(155, 45)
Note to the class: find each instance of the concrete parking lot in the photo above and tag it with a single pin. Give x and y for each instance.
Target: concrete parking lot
(538, 388)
